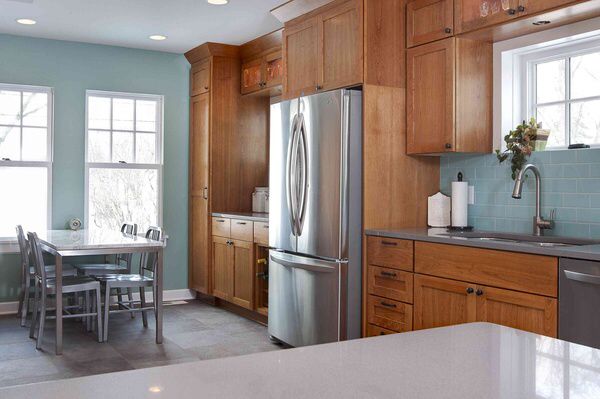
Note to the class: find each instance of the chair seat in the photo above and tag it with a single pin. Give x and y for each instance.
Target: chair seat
(101, 268)
(124, 277)
(73, 284)
(68, 270)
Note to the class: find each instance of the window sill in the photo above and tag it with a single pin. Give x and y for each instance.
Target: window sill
(9, 247)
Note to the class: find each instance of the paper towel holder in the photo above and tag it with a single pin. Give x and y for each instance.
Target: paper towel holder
(460, 228)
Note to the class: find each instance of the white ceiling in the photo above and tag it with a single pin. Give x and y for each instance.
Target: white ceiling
(128, 23)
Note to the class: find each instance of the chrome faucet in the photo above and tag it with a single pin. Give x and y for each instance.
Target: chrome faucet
(539, 224)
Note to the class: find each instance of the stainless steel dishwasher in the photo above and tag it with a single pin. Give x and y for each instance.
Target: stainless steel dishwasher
(579, 302)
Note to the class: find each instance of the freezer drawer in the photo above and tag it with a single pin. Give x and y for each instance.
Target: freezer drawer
(305, 299)
(579, 302)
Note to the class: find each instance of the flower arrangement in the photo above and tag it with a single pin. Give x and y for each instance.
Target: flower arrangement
(521, 142)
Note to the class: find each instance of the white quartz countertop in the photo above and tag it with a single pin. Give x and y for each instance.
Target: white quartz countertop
(477, 360)
(68, 240)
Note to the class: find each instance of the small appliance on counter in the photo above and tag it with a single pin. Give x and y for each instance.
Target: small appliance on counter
(438, 210)
(460, 204)
(260, 200)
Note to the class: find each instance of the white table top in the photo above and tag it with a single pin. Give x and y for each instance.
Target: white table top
(68, 240)
(476, 360)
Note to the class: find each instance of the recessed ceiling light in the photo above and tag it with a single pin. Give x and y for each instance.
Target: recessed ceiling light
(158, 38)
(26, 21)
(218, 2)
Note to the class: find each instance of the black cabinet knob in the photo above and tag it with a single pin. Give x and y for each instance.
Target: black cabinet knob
(448, 30)
(470, 290)
(448, 146)
(521, 9)
(511, 11)
(479, 293)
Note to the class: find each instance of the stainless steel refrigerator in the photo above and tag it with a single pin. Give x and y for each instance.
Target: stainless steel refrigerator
(315, 218)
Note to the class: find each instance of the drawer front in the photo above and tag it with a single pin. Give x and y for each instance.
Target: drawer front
(261, 233)
(390, 283)
(242, 230)
(535, 274)
(390, 252)
(389, 314)
(221, 227)
(374, 331)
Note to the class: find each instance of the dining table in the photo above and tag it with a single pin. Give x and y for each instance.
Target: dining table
(89, 242)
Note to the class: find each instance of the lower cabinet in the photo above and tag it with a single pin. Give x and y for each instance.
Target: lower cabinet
(374, 331)
(233, 270)
(389, 314)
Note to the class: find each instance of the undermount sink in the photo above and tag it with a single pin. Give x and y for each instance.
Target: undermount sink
(540, 241)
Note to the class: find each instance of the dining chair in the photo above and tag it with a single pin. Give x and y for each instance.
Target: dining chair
(142, 280)
(45, 286)
(28, 273)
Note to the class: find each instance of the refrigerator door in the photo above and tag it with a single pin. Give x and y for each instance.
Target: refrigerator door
(320, 174)
(305, 298)
(281, 178)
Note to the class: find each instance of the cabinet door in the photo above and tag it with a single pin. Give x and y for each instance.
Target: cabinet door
(222, 263)
(430, 97)
(273, 69)
(428, 20)
(375, 331)
(300, 58)
(474, 14)
(533, 313)
(252, 75)
(199, 236)
(536, 6)
(440, 302)
(243, 273)
(341, 41)
(200, 77)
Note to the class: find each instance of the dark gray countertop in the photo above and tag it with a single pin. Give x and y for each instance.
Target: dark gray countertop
(253, 216)
(438, 235)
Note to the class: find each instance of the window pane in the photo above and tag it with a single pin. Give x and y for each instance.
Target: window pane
(122, 114)
(26, 206)
(585, 76)
(120, 195)
(122, 147)
(10, 107)
(550, 81)
(98, 146)
(35, 109)
(98, 113)
(10, 142)
(145, 148)
(585, 122)
(145, 115)
(35, 144)
(552, 117)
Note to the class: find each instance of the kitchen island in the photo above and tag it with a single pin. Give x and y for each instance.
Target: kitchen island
(477, 360)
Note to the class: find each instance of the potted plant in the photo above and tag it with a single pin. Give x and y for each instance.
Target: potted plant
(521, 142)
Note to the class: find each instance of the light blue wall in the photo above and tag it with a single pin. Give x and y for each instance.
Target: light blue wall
(72, 68)
(570, 183)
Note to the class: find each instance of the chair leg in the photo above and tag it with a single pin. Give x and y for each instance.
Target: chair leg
(106, 311)
(88, 310)
(131, 305)
(25, 305)
(99, 315)
(143, 305)
(120, 297)
(22, 296)
(34, 318)
(42, 316)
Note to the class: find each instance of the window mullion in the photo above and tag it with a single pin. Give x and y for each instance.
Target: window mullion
(568, 101)
(21, 128)
(134, 130)
(111, 131)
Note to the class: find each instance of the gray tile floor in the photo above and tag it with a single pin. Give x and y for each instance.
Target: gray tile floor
(192, 330)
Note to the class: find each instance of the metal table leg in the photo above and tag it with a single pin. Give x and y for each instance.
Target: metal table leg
(158, 297)
(59, 305)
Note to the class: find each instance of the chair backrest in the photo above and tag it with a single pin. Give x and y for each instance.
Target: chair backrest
(38, 258)
(24, 249)
(129, 228)
(149, 260)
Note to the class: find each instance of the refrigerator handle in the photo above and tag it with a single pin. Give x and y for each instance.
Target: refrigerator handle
(313, 265)
(303, 184)
(290, 176)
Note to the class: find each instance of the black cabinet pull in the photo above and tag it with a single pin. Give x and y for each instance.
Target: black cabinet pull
(389, 243)
(511, 11)
(448, 30)
(220, 220)
(479, 293)
(388, 274)
(387, 305)
(521, 9)
(242, 223)
(448, 146)
(470, 290)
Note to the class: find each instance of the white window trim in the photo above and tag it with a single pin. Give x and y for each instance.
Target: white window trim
(111, 165)
(7, 244)
(510, 104)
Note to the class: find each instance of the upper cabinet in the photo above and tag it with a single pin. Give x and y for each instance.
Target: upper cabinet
(200, 78)
(449, 97)
(323, 50)
(476, 14)
(428, 20)
(262, 65)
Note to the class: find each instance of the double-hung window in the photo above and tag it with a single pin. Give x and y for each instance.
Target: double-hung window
(123, 159)
(564, 93)
(26, 158)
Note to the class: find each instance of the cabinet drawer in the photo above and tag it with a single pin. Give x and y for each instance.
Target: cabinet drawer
(389, 314)
(242, 229)
(261, 233)
(374, 331)
(535, 274)
(390, 283)
(390, 252)
(221, 227)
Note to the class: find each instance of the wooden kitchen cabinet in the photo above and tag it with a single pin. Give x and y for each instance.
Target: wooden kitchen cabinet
(262, 73)
(222, 264)
(475, 14)
(449, 97)
(374, 331)
(390, 283)
(428, 21)
(233, 271)
(440, 302)
(324, 51)
(534, 313)
(389, 314)
(200, 78)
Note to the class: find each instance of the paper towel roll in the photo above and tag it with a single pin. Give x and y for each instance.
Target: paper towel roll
(460, 201)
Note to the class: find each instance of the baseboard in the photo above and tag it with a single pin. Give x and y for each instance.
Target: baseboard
(7, 308)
